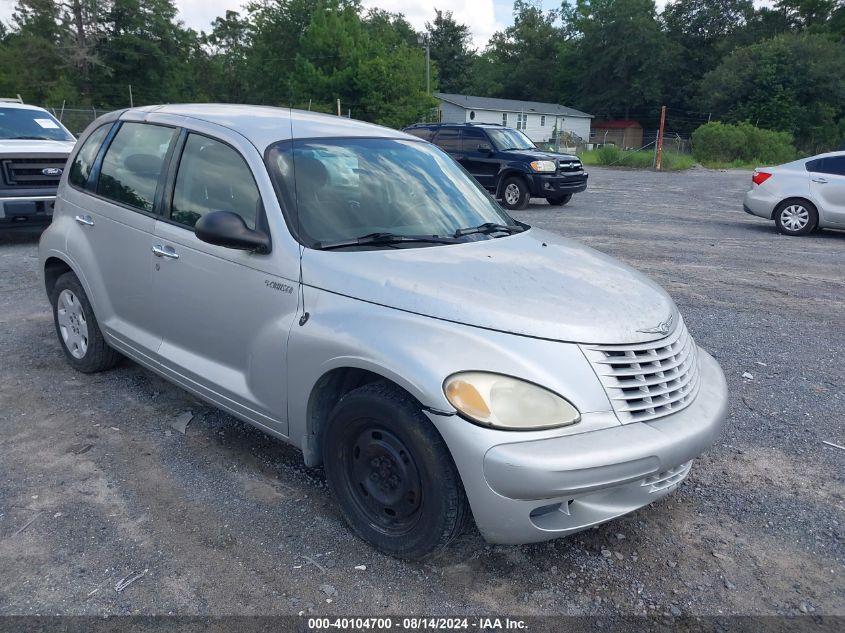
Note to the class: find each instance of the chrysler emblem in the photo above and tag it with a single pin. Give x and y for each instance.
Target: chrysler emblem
(661, 328)
(52, 171)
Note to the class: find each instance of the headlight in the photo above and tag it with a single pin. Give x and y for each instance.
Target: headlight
(503, 402)
(543, 165)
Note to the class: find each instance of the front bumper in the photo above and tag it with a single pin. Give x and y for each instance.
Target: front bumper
(26, 211)
(538, 490)
(543, 185)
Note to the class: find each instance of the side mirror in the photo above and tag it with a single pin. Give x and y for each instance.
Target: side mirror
(224, 228)
(485, 148)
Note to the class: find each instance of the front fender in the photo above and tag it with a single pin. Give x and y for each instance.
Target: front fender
(418, 353)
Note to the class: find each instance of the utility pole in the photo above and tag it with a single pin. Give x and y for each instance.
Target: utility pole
(338, 107)
(423, 39)
(131, 101)
(659, 160)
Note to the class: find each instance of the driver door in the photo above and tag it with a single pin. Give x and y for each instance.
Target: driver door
(224, 314)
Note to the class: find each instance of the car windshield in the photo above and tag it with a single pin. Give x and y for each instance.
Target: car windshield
(344, 189)
(507, 138)
(29, 124)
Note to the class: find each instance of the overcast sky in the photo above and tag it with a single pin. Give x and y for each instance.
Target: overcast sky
(484, 17)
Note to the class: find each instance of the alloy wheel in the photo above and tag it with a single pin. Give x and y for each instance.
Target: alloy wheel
(512, 194)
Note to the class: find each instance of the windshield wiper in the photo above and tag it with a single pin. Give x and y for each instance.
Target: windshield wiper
(30, 138)
(490, 227)
(383, 239)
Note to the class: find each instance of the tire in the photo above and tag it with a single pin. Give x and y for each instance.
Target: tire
(559, 201)
(76, 326)
(796, 217)
(515, 194)
(392, 474)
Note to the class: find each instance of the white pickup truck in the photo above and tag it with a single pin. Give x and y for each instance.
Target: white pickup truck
(34, 147)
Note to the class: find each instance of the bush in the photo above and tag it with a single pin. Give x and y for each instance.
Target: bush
(611, 156)
(725, 143)
(608, 155)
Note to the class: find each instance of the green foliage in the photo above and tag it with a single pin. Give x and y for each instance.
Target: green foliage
(725, 143)
(612, 156)
(450, 43)
(792, 82)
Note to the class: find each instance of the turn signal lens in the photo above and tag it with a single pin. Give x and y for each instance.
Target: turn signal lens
(760, 177)
(507, 403)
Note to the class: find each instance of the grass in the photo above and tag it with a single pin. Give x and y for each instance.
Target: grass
(610, 155)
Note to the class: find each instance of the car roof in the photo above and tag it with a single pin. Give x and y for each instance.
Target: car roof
(265, 125)
(21, 106)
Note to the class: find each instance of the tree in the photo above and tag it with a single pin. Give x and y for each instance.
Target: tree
(622, 55)
(519, 62)
(794, 82)
(450, 43)
(807, 13)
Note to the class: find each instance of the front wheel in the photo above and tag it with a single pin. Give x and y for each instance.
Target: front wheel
(796, 217)
(515, 193)
(392, 474)
(559, 201)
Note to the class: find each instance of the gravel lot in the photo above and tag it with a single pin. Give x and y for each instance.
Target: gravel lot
(96, 484)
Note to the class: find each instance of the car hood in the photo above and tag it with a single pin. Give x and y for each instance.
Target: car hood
(538, 154)
(19, 146)
(533, 284)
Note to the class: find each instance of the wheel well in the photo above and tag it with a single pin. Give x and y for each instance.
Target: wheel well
(783, 203)
(505, 175)
(327, 392)
(53, 269)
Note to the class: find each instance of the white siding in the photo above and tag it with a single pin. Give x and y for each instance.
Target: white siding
(451, 113)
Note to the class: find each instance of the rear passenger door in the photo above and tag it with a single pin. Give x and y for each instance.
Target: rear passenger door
(113, 200)
(224, 314)
(827, 183)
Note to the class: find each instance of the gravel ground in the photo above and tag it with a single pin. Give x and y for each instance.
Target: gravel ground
(97, 485)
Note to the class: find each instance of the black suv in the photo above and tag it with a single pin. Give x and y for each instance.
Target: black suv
(506, 162)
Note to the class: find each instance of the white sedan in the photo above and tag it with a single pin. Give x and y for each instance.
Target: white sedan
(802, 195)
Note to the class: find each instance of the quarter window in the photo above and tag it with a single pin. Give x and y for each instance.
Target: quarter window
(80, 169)
(213, 177)
(132, 164)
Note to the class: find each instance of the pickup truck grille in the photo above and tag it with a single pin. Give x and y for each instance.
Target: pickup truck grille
(648, 380)
(28, 172)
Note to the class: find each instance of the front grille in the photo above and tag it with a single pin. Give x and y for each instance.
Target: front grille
(569, 167)
(27, 172)
(648, 380)
(668, 478)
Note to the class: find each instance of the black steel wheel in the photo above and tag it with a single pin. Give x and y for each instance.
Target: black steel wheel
(392, 474)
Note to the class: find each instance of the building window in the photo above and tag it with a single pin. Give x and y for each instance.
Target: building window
(542, 120)
(504, 118)
(521, 121)
(472, 115)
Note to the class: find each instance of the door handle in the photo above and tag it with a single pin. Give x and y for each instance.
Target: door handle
(160, 251)
(821, 181)
(84, 220)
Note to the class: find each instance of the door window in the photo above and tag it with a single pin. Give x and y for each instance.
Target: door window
(449, 139)
(472, 139)
(132, 164)
(834, 165)
(213, 177)
(80, 169)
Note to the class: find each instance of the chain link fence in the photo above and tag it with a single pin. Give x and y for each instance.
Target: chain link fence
(78, 118)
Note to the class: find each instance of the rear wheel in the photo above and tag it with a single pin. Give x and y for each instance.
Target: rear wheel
(515, 193)
(559, 201)
(796, 217)
(392, 474)
(79, 333)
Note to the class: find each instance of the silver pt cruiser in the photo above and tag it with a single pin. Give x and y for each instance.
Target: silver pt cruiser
(350, 289)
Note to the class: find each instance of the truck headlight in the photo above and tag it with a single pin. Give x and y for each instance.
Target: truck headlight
(504, 402)
(543, 166)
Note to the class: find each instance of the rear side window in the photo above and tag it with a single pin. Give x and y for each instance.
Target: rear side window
(424, 133)
(81, 167)
(834, 165)
(213, 177)
(449, 139)
(132, 164)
